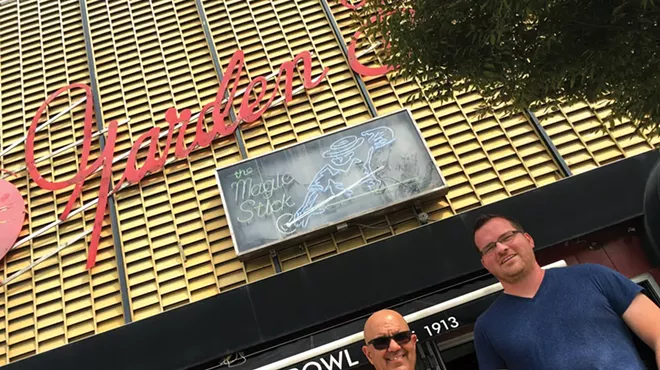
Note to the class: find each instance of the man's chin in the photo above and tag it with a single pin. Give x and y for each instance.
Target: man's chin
(512, 274)
(405, 366)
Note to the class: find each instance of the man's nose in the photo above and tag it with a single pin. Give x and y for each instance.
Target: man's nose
(394, 346)
(501, 248)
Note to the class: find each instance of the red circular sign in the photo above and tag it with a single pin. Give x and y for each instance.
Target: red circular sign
(12, 214)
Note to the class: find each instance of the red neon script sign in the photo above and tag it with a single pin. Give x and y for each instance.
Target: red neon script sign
(249, 112)
(353, 60)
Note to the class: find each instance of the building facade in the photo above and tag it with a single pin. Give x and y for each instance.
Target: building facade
(156, 264)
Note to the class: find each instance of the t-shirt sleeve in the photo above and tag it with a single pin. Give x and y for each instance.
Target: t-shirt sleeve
(619, 290)
(487, 358)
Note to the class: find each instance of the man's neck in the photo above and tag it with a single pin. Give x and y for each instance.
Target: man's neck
(528, 285)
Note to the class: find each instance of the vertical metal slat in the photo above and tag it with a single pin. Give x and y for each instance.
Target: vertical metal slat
(123, 286)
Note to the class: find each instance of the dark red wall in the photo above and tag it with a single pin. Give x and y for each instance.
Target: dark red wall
(618, 247)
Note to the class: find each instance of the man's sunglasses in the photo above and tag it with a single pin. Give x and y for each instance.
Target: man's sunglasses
(400, 338)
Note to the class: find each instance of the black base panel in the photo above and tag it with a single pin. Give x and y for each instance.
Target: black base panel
(350, 285)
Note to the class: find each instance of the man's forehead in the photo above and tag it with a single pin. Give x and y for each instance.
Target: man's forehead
(498, 222)
(494, 226)
(384, 324)
(389, 327)
(492, 229)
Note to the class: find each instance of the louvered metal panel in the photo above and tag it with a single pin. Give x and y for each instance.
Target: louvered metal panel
(153, 55)
(42, 49)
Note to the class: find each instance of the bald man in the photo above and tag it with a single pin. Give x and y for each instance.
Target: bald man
(389, 343)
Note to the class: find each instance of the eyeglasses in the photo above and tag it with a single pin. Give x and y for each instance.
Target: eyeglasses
(400, 338)
(504, 239)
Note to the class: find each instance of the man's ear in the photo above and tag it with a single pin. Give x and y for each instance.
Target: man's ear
(414, 338)
(529, 239)
(367, 354)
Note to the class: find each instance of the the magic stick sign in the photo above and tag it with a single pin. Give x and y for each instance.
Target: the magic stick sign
(276, 199)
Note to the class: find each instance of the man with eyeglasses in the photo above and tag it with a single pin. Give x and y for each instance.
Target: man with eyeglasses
(389, 343)
(576, 317)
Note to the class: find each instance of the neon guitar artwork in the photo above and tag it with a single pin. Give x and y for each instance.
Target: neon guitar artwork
(328, 188)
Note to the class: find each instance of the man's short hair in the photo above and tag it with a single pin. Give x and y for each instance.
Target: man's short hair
(481, 221)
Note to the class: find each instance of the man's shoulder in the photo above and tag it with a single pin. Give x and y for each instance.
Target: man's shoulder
(583, 270)
(492, 315)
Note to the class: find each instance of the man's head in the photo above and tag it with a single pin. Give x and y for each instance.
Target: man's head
(507, 251)
(389, 344)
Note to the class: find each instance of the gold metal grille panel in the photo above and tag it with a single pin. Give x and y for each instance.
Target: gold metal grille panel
(152, 56)
(573, 130)
(177, 248)
(483, 158)
(270, 33)
(42, 49)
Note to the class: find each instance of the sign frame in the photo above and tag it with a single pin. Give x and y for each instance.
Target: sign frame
(292, 240)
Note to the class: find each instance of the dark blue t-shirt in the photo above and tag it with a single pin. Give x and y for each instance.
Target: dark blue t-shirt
(573, 322)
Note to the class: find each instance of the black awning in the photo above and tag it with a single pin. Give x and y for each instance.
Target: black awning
(349, 286)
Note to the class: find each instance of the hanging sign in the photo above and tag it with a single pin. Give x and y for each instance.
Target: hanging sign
(308, 187)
